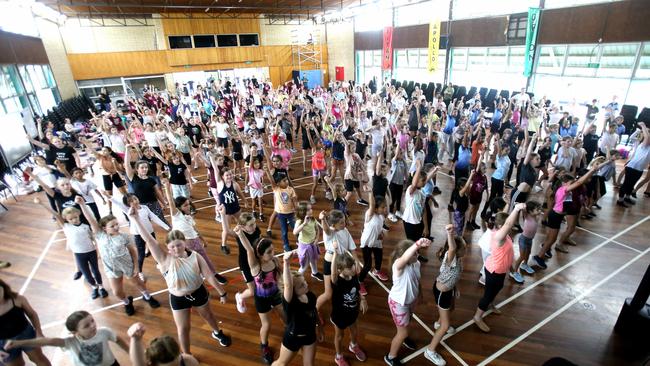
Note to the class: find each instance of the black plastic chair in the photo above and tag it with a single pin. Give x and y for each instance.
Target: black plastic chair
(471, 92)
(483, 93)
(504, 94)
(644, 116)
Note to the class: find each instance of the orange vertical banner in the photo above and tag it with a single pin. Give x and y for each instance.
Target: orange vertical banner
(387, 50)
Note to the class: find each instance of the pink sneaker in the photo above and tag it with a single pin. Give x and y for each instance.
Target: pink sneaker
(341, 361)
(241, 305)
(362, 289)
(379, 274)
(358, 352)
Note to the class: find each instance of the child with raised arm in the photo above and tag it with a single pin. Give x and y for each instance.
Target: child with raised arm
(162, 351)
(88, 344)
(285, 201)
(444, 289)
(302, 329)
(347, 301)
(404, 293)
(307, 231)
(371, 240)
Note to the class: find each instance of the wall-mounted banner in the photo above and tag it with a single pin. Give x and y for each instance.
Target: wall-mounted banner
(531, 39)
(434, 44)
(387, 50)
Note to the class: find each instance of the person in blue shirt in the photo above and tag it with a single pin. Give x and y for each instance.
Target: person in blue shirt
(461, 170)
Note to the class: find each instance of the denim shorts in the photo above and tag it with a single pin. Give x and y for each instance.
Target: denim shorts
(27, 333)
(525, 243)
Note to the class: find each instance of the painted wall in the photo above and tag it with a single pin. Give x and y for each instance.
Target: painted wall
(56, 54)
(85, 39)
(340, 48)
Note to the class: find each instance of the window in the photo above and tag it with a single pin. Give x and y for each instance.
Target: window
(459, 59)
(252, 39)
(617, 60)
(579, 58)
(204, 41)
(549, 4)
(476, 59)
(516, 59)
(176, 42)
(227, 40)
(421, 13)
(643, 71)
(497, 59)
(372, 18)
(517, 28)
(551, 60)
(464, 9)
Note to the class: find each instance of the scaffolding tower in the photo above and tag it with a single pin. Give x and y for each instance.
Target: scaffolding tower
(306, 49)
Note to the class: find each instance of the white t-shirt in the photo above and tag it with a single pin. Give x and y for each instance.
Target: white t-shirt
(185, 224)
(343, 238)
(418, 155)
(94, 351)
(85, 189)
(150, 137)
(372, 229)
(413, 207)
(406, 287)
(221, 130)
(46, 176)
(641, 157)
(78, 238)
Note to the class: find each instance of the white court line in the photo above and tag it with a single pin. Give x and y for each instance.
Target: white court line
(604, 237)
(37, 264)
(426, 327)
(561, 310)
(545, 278)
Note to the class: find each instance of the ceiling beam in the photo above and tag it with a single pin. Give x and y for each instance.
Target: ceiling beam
(261, 8)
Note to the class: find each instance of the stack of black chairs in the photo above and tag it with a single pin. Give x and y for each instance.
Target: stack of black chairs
(74, 108)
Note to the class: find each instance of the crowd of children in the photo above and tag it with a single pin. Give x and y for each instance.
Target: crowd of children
(379, 145)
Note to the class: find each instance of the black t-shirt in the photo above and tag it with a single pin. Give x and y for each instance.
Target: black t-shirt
(64, 154)
(590, 142)
(345, 298)
(144, 189)
(177, 174)
(252, 238)
(592, 110)
(62, 202)
(286, 125)
(462, 202)
(379, 186)
(301, 317)
(194, 133)
(544, 154)
(361, 147)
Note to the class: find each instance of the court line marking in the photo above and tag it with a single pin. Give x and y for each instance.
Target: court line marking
(40, 260)
(425, 326)
(542, 280)
(561, 310)
(613, 241)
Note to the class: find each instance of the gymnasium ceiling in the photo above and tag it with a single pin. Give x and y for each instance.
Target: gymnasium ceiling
(215, 8)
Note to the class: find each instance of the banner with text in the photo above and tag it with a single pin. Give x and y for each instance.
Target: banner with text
(434, 44)
(531, 39)
(387, 50)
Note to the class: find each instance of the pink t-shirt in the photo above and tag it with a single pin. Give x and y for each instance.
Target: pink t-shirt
(255, 178)
(560, 195)
(285, 155)
(500, 258)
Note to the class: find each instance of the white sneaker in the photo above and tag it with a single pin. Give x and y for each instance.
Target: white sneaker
(217, 218)
(451, 329)
(241, 305)
(142, 277)
(194, 180)
(392, 217)
(526, 268)
(481, 280)
(312, 200)
(328, 195)
(246, 189)
(434, 357)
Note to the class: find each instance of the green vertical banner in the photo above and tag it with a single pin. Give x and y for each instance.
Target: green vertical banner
(531, 39)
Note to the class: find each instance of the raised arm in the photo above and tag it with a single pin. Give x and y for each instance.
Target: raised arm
(403, 261)
(136, 350)
(90, 217)
(157, 252)
(40, 144)
(324, 224)
(531, 147)
(55, 214)
(413, 186)
(250, 251)
(451, 251)
(127, 163)
(168, 194)
(501, 234)
(597, 163)
(468, 184)
(46, 188)
(646, 133)
(287, 279)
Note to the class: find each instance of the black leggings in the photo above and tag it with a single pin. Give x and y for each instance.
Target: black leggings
(512, 167)
(631, 177)
(396, 196)
(368, 253)
(89, 267)
(519, 167)
(141, 247)
(496, 190)
(93, 207)
(493, 284)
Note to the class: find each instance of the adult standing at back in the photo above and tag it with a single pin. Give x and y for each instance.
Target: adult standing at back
(634, 168)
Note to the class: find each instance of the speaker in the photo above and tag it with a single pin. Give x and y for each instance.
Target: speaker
(629, 112)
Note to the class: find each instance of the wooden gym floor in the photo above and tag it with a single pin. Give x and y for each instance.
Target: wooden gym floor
(569, 310)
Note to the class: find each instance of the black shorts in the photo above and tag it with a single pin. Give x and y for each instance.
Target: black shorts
(237, 156)
(306, 145)
(240, 129)
(444, 299)
(350, 185)
(109, 180)
(343, 320)
(266, 304)
(327, 267)
(261, 130)
(572, 209)
(554, 220)
(222, 142)
(196, 299)
(294, 342)
(289, 137)
(413, 127)
(187, 157)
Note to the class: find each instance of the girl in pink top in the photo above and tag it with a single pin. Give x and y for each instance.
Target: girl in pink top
(555, 216)
(284, 153)
(530, 216)
(498, 263)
